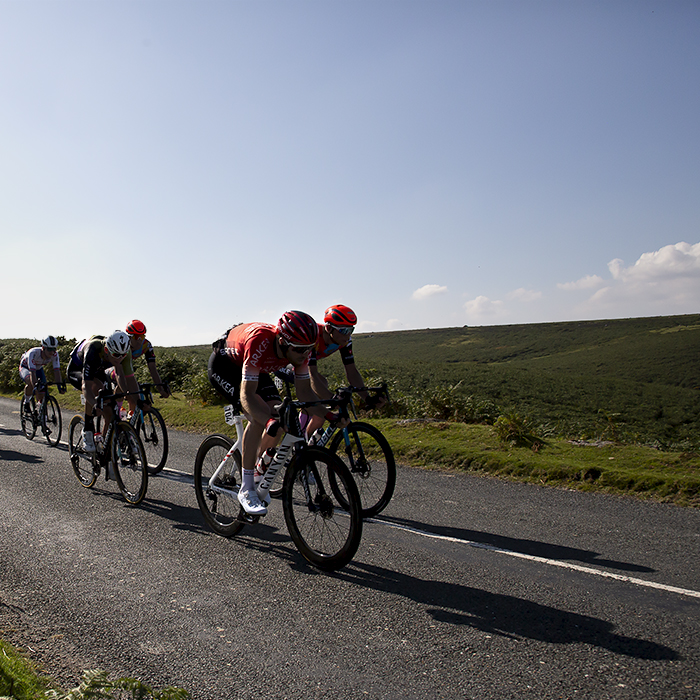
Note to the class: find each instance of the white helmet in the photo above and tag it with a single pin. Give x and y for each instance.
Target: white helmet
(49, 343)
(118, 343)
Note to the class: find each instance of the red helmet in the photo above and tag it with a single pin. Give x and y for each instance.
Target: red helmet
(339, 315)
(297, 328)
(136, 328)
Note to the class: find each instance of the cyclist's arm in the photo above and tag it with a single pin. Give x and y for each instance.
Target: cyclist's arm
(155, 376)
(57, 375)
(355, 379)
(319, 383)
(254, 406)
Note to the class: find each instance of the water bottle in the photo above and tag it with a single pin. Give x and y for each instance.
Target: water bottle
(264, 462)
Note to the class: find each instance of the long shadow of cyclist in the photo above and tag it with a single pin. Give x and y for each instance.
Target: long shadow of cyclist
(500, 614)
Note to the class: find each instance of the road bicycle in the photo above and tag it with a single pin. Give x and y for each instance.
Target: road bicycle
(326, 532)
(363, 448)
(118, 450)
(150, 426)
(367, 454)
(47, 416)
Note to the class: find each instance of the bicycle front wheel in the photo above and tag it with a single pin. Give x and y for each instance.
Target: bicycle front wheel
(154, 436)
(27, 421)
(51, 421)
(129, 460)
(369, 457)
(218, 500)
(326, 532)
(81, 461)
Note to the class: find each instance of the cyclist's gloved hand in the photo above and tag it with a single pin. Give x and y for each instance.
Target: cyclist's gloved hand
(62, 388)
(285, 374)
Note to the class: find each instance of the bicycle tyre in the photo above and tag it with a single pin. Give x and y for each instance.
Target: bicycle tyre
(28, 425)
(370, 459)
(129, 462)
(154, 436)
(326, 533)
(52, 422)
(219, 509)
(82, 462)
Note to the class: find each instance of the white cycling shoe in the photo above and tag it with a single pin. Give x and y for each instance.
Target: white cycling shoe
(88, 441)
(251, 503)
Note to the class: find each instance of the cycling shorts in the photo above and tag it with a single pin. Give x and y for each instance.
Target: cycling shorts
(75, 372)
(225, 376)
(24, 373)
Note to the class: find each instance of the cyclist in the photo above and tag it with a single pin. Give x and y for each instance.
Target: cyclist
(334, 334)
(136, 331)
(239, 368)
(31, 370)
(93, 362)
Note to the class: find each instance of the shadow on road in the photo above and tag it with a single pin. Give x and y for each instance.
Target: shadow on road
(512, 544)
(503, 615)
(12, 456)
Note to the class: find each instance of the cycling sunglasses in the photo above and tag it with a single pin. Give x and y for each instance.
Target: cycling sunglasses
(301, 349)
(343, 330)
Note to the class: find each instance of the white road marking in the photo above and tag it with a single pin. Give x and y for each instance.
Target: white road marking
(542, 560)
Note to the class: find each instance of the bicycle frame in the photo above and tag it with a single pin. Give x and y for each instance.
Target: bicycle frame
(282, 458)
(101, 457)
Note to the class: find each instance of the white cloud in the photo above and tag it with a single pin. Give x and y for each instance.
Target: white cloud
(664, 282)
(482, 308)
(427, 291)
(587, 282)
(394, 324)
(671, 262)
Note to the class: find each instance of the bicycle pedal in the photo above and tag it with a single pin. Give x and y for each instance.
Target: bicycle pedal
(246, 518)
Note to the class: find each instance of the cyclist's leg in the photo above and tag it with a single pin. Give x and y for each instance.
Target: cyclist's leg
(26, 376)
(225, 377)
(269, 394)
(91, 388)
(40, 384)
(74, 373)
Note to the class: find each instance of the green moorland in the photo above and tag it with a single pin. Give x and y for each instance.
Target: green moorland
(607, 405)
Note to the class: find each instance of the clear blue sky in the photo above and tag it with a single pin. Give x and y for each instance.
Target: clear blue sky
(198, 163)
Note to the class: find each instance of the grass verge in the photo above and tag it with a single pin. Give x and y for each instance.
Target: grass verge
(19, 677)
(601, 466)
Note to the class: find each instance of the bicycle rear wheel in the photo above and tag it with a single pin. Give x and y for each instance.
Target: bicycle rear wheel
(28, 426)
(369, 457)
(129, 461)
(51, 423)
(154, 436)
(326, 532)
(218, 501)
(81, 461)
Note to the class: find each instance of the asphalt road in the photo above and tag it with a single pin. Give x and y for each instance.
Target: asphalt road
(464, 587)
